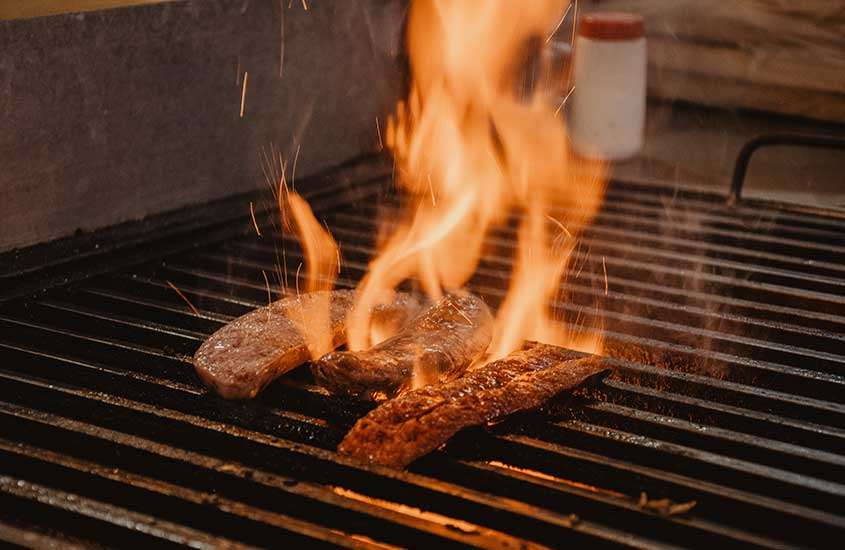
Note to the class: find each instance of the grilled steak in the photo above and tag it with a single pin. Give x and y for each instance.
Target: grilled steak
(241, 358)
(417, 422)
(438, 345)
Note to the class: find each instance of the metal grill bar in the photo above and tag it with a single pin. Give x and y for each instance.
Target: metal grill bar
(723, 390)
(750, 212)
(651, 228)
(648, 259)
(768, 315)
(249, 255)
(267, 452)
(65, 406)
(730, 395)
(272, 492)
(790, 372)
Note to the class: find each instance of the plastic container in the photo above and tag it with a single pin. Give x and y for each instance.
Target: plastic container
(607, 115)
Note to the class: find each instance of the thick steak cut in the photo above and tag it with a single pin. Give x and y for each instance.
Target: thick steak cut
(438, 345)
(417, 422)
(241, 358)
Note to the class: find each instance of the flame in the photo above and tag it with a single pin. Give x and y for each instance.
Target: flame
(471, 149)
(322, 258)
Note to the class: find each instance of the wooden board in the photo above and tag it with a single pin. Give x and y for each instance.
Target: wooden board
(772, 55)
(785, 67)
(730, 93)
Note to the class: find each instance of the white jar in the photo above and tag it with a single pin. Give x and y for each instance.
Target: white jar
(607, 114)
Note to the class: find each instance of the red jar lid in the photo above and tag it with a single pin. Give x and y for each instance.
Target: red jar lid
(611, 26)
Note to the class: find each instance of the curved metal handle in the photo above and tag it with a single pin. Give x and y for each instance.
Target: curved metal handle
(768, 140)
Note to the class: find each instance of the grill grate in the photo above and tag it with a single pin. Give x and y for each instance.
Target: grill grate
(726, 328)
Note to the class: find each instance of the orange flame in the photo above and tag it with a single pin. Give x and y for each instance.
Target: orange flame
(322, 257)
(471, 148)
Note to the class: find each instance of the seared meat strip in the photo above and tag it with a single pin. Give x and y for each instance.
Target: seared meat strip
(241, 358)
(417, 422)
(438, 345)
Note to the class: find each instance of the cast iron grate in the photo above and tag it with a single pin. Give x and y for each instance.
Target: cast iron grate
(726, 328)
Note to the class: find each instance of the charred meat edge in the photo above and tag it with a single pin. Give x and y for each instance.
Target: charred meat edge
(417, 422)
(438, 345)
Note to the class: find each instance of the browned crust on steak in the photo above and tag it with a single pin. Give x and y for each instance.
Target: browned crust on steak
(439, 345)
(244, 356)
(417, 422)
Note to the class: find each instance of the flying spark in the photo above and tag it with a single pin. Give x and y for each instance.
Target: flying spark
(267, 284)
(559, 23)
(604, 268)
(559, 224)
(431, 188)
(565, 99)
(282, 198)
(293, 171)
(569, 70)
(298, 269)
(378, 131)
(184, 298)
(254, 222)
(243, 93)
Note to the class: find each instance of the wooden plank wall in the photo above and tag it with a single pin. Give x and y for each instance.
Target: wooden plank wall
(784, 56)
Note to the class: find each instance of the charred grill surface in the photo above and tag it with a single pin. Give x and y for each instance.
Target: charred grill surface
(415, 423)
(438, 345)
(724, 328)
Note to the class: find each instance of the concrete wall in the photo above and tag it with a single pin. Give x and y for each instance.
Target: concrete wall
(113, 115)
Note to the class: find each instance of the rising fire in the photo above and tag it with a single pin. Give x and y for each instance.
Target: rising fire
(472, 149)
(321, 259)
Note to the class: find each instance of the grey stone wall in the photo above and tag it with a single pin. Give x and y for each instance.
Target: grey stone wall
(114, 115)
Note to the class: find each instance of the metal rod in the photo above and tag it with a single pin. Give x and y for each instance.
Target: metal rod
(774, 140)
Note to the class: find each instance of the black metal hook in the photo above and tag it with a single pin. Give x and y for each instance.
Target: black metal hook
(768, 140)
